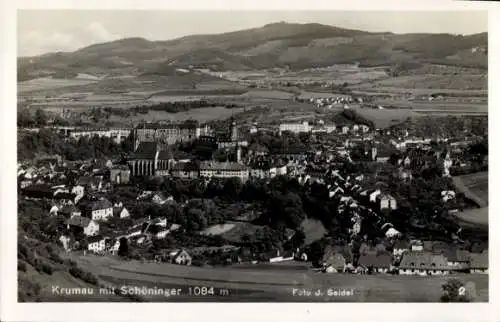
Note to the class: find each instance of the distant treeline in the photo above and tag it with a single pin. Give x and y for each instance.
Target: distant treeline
(356, 118)
(176, 107)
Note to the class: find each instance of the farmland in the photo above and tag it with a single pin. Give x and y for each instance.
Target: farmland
(385, 117)
(476, 217)
(201, 114)
(264, 283)
(474, 186)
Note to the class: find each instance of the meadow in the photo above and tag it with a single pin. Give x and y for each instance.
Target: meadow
(257, 284)
(474, 186)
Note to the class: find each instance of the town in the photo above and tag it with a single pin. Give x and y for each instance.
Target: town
(188, 194)
(257, 165)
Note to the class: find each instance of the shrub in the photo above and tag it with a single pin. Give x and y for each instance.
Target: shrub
(21, 266)
(43, 267)
(70, 263)
(84, 276)
(56, 258)
(22, 250)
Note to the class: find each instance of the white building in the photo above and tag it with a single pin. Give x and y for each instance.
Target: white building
(96, 244)
(209, 169)
(101, 210)
(295, 127)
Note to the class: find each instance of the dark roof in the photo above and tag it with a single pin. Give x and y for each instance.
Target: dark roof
(479, 260)
(101, 204)
(261, 165)
(186, 166)
(68, 209)
(222, 166)
(93, 239)
(117, 211)
(146, 150)
(87, 180)
(378, 261)
(457, 255)
(65, 195)
(165, 155)
(401, 244)
(38, 191)
(425, 260)
(121, 167)
(188, 124)
(78, 221)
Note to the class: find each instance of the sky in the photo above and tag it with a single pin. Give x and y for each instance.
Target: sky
(43, 31)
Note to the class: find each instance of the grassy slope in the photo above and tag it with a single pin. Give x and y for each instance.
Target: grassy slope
(277, 285)
(297, 47)
(474, 186)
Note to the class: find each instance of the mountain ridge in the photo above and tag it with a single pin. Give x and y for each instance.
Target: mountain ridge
(273, 45)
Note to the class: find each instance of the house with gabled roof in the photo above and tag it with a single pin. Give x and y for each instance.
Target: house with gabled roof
(400, 247)
(457, 258)
(479, 263)
(423, 263)
(181, 257)
(83, 224)
(375, 263)
(96, 244)
(119, 211)
(100, 209)
(91, 183)
(70, 211)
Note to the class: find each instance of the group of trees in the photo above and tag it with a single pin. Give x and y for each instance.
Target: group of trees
(449, 126)
(47, 141)
(176, 107)
(39, 247)
(355, 117)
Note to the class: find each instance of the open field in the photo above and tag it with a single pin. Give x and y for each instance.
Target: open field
(434, 105)
(436, 82)
(385, 117)
(200, 114)
(239, 229)
(313, 229)
(254, 284)
(217, 229)
(474, 186)
(478, 216)
(268, 94)
(370, 90)
(48, 83)
(308, 95)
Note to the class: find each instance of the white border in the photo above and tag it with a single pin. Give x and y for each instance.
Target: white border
(10, 310)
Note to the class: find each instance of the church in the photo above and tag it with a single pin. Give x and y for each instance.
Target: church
(151, 159)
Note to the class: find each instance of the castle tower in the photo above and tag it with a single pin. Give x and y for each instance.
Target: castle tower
(238, 154)
(234, 131)
(374, 153)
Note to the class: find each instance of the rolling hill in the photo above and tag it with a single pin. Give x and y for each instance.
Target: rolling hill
(274, 45)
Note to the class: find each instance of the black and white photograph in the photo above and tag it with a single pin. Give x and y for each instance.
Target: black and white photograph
(306, 156)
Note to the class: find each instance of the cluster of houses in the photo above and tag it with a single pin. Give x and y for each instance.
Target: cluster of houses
(321, 127)
(406, 258)
(73, 189)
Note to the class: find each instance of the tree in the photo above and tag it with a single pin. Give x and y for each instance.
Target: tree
(455, 291)
(123, 248)
(316, 252)
(298, 239)
(40, 118)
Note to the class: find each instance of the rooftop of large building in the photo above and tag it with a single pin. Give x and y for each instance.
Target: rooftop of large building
(222, 166)
(189, 124)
